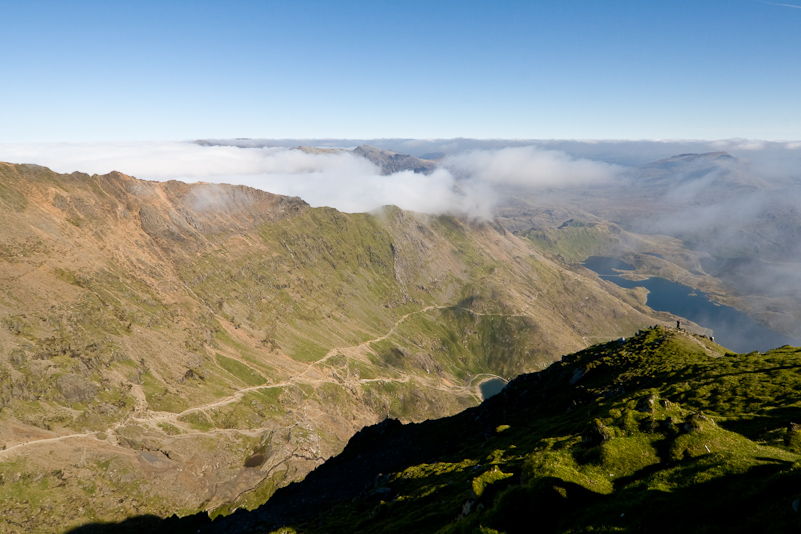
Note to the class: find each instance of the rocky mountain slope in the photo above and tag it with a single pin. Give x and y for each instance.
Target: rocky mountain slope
(392, 162)
(168, 348)
(665, 432)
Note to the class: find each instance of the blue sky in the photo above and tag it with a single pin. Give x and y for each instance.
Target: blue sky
(585, 69)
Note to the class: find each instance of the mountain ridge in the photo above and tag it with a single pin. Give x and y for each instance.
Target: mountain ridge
(191, 347)
(392, 162)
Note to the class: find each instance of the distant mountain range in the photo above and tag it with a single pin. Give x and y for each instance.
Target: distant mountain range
(391, 162)
(388, 161)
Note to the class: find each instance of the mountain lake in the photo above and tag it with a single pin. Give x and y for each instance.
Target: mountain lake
(491, 387)
(731, 328)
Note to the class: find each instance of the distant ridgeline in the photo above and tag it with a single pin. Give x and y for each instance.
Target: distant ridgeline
(663, 432)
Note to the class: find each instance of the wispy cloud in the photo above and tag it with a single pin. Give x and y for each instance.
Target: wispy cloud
(529, 167)
(737, 144)
(780, 5)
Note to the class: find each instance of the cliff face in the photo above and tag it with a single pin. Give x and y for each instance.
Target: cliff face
(168, 347)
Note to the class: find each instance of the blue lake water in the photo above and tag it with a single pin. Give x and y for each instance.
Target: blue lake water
(731, 328)
(491, 387)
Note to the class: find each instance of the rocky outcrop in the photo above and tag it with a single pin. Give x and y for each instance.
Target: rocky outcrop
(392, 162)
(75, 388)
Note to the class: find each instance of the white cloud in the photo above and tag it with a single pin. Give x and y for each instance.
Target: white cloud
(780, 5)
(530, 167)
(176, 160)
(340, 180)
(738, 144)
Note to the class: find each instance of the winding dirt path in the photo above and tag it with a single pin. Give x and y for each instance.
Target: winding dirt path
(46, 440)
(143, 414)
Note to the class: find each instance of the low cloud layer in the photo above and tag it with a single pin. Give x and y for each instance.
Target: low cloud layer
(464, 184)
(530, 167)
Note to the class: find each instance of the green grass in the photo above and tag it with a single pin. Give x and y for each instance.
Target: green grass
(487, 478)
(576, 241)
(198, 421)
(241, 371)
(159, 397)
(169, 429)
(253, 410)
(253, 498)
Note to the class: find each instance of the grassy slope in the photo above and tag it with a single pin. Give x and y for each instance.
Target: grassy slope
(666, 432)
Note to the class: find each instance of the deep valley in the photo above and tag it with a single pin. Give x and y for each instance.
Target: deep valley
(189, 350)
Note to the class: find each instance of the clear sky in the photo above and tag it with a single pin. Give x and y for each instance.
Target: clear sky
(587, 69)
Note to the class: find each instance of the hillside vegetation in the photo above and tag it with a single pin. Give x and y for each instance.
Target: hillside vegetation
(169, 348)
(665, 432)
